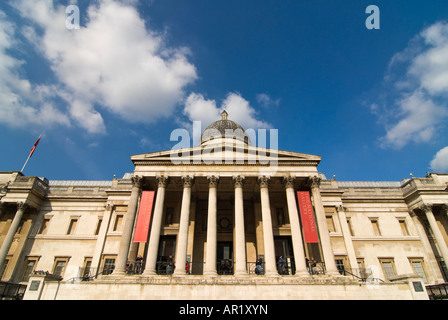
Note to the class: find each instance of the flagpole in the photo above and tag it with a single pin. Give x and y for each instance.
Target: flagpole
(25, 164)
(31, 153)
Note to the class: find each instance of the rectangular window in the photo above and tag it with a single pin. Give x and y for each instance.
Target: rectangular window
(87, 267)
(280, 216)
(388, 267)
(350, 227)
(404, 227)
(98, 226)
(330, 224)
(59, 266)
(118, 222)
(108, 265)
(376, 227)
(417, 265)
(72, 226)
(28, 269)
(3, 269)
(44, 226)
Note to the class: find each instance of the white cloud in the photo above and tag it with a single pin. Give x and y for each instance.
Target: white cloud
(420, 118)
(266, 101)
(419, 76)
(440, 161)
(113, 62)
(198, 108)
(21, 102)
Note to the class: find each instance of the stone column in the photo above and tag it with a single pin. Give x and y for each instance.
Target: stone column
(296, 230)
(347, 237)
(182, 237)
(101, 240)
(427, 208)
(212, 231)
(330, 264)
(21, 208)
(126, 236)
(427, 246)
(240, 237)
(268, 235)
(154, 237)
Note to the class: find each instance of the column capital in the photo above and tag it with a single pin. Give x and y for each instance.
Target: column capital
(187, 181)
(213, 181)
(425, 207)
(340, 208)
(22, 206)
(162, 181)
(445, 207)
(238, 181)
(137, 181)
(288, 182)
(314, 182)
(263, 181)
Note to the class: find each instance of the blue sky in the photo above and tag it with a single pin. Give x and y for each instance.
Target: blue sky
(372, 103)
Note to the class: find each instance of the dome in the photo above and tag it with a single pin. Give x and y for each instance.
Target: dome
(225, 128)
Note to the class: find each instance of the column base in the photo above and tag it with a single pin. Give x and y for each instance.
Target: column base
(149, 273)
(179, 274)
(272, 274)
(118, 273)
(302, 274)
(241, 274)
(211, 274)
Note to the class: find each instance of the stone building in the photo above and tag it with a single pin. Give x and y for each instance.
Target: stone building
(224, 220)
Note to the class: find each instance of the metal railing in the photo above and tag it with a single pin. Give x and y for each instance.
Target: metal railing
(437, 291)
(226, 267)
(12, 291)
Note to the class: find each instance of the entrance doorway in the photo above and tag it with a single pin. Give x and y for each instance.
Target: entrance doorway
(165, 257)
(224, 257)
(284, 255)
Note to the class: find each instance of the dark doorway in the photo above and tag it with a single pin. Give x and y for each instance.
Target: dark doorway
(225, 257)
(165, 257)
(284, 255)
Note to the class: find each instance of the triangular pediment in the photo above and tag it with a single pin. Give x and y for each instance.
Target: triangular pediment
(225, 155)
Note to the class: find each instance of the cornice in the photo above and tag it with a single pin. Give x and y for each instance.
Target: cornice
(298, 163)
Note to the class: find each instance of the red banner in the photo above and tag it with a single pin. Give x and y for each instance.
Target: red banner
(307, 215)
(144, 217)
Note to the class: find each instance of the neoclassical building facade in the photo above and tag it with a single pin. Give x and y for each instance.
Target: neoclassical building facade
(224, 220)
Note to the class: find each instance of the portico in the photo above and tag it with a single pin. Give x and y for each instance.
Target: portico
(223, 216)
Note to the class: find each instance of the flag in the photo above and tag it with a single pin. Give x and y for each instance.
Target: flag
(34, 147)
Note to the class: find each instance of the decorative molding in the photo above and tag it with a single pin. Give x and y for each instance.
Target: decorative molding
(288, 182)
(22, 206)
(238, 181)
(137, 181)
(162, 181)
(263, 182)
(213, 181)
(314, 182)
(425, 207)
(298, 163)
(187, 181)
